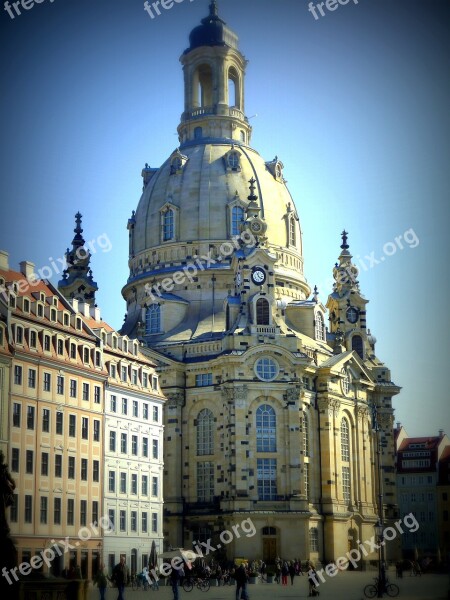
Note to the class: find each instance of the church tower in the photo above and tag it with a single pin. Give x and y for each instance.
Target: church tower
(77, 281)
(269, 415)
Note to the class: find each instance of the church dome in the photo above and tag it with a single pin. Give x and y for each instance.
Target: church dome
(212, 32)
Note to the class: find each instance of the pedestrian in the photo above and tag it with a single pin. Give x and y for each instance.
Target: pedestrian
(312, 580)
(101, 581)
(284, 573)
(175, 577)
(121, 577)
(292, 571)
(278, 571)
(241, 578)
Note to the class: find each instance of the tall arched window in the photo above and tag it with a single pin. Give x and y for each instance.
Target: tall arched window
(305, 428)
(198, 133)
(237, 218)
(153, 319)
(233, 88)
(320, 329)
(262, 312)
(292, 237)
(345, 440)
(205, 433)
(168, 225)
(266, 429)
(314, 539)
(357, 345)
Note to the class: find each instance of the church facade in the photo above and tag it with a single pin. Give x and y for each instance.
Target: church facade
(270, 414)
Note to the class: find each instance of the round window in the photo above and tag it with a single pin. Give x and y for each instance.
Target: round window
(266, 369)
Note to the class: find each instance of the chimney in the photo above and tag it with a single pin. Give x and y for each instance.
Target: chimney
(441, 433)
(4, 260)
(398, 424)
(27, 269)
(95, 313)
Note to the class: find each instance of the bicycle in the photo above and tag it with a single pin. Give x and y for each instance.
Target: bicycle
(201, 584)
(139, 582)
(371, 590)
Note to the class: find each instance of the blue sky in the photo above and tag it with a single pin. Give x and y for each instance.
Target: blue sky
(355, 104)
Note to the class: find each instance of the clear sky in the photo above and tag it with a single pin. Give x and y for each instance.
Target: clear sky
(355, 104)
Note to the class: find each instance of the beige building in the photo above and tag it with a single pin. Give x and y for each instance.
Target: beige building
(56, 400)
(269, 413)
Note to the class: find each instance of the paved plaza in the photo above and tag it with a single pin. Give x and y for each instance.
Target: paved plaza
(345, 586)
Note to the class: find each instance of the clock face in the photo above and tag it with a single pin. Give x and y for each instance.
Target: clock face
(352, 314)
(258, 275)
(255, 226)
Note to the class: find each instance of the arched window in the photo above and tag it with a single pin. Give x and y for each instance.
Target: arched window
(292, 237)
(242, 136)
(357, 345)
(233, 88)
(266, 429)
(305, 429)
(345, 440)
(262, 312)
(205, 433)
(153, 319)
(237, 218)
(198, 133)
(320, 333)
(233, 160)
(314, 539)
(168, 225)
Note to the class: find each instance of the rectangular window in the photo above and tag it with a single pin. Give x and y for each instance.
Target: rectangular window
(58, 465)
(59, 423)
(96, 430)
(134, 483)
(123, 483)
(47, 382)
(155, 486)
(144, 522)
(86, 355)
(57, 511)
(124, 406)
(60, 384)
(96, 470)
(124, 373)
(28, 509)
(94, 512)
(60, 347)
(73, 351)
(267, 478)
(44, 507)
(30, 417)
(47, 343)
(19, 335)
(154, 522)
(112, 371)
(97, 359)
(71, 469)
(46, 420)
(73, 388)
(112, 481)
(15, 454)
(155, 414)
(135, 408)
(133, 521)
(85, 391)
(122, 520)
(97, 394)
(145, 410)
(155, 452)
(32, 378)
(306, 479)
(14, 509)
(145, 447)
(83, 512)
(346, 490)
(18, 375)
(203, 380)
(155, 382)
(84, 469)
(134, 445)
(144, 489)
(84, 428)
(33, 339)
(29, 462)
(135, 377)
(144, 380)
(70, 511)
(205, 481)
(113, 404)
(17, 408)
(112, 441)
(123, 443)
(112, 518)
(44, 464)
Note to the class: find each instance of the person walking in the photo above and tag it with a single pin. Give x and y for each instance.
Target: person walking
(241, 578)
(175, 577)
(101, 581)
(292, 571)
(284, 573)
(121, 577)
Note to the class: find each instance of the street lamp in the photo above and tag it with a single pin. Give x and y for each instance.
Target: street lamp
(379, 529)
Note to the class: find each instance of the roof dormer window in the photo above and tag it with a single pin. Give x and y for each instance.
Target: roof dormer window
(233, 160)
